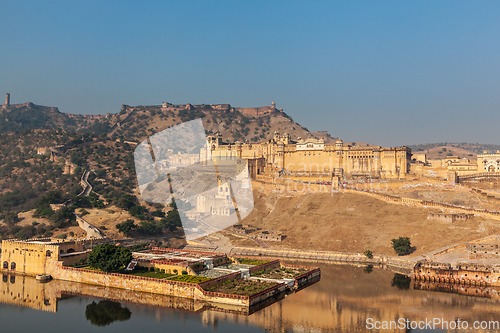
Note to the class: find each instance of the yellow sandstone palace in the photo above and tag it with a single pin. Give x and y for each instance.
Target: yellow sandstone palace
(314, 157)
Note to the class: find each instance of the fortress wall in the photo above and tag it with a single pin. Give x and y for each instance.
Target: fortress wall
(257, 111)
(427, 204)
(124, 281)
(92, 232)
(145, 284)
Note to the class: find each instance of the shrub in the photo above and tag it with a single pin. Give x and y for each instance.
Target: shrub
(401, 245)
(151, 269)
(108, 257)
(184, 272)
(62, 236)
(368, 254)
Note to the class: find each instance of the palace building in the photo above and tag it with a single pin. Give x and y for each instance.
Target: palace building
(313, 157)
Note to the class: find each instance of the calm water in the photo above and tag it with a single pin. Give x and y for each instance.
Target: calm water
(341, 301)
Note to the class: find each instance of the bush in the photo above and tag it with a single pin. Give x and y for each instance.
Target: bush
(108, 257)
(62, 236)
(368, 254)
(401, 245)
(184, 272)
(126, 227)
(151, 269)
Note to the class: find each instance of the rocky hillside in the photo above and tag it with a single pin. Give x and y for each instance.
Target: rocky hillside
(444, 149)
(137, 123)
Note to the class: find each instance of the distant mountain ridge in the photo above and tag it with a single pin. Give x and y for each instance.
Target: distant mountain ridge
(461, 147)
(134, 123)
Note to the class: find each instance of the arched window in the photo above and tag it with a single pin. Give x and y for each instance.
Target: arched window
(48, 253)
(70, 250)
(5, 265)
(13, 266)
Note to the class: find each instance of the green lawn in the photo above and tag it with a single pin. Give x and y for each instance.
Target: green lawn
(189, 278)
(248, 261)
(154, 275)
(241, 287)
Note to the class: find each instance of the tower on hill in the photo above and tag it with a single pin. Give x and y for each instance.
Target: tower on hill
(7, 100)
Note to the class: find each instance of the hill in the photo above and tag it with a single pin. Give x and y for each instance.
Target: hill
(353, 223)
(467, 150)
(138, 122)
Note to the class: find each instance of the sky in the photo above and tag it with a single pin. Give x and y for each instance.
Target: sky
(389, 73)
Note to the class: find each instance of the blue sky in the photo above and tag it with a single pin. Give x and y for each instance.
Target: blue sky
(386, 72)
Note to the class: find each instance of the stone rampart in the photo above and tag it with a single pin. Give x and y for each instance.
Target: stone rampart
(92, 232)
(145, 284)
(426, 204)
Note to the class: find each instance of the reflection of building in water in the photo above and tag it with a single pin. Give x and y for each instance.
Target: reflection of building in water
(218, 204)
(25, 291)
(466, 290)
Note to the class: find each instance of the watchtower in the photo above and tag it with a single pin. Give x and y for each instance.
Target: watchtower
(7, 99)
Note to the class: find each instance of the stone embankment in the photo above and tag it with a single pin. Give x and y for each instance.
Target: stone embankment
(401, 265)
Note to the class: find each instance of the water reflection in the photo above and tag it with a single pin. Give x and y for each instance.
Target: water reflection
(342, 301)
(106, 312)
(400, 281)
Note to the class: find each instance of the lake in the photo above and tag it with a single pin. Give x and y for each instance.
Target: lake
(346, 299)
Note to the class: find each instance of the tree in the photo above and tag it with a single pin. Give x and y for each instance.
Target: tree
(127, 201)
(63, 217)
(108, 257)
(126, 227)
(401, 245)
(81, 202)
(149, 228)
